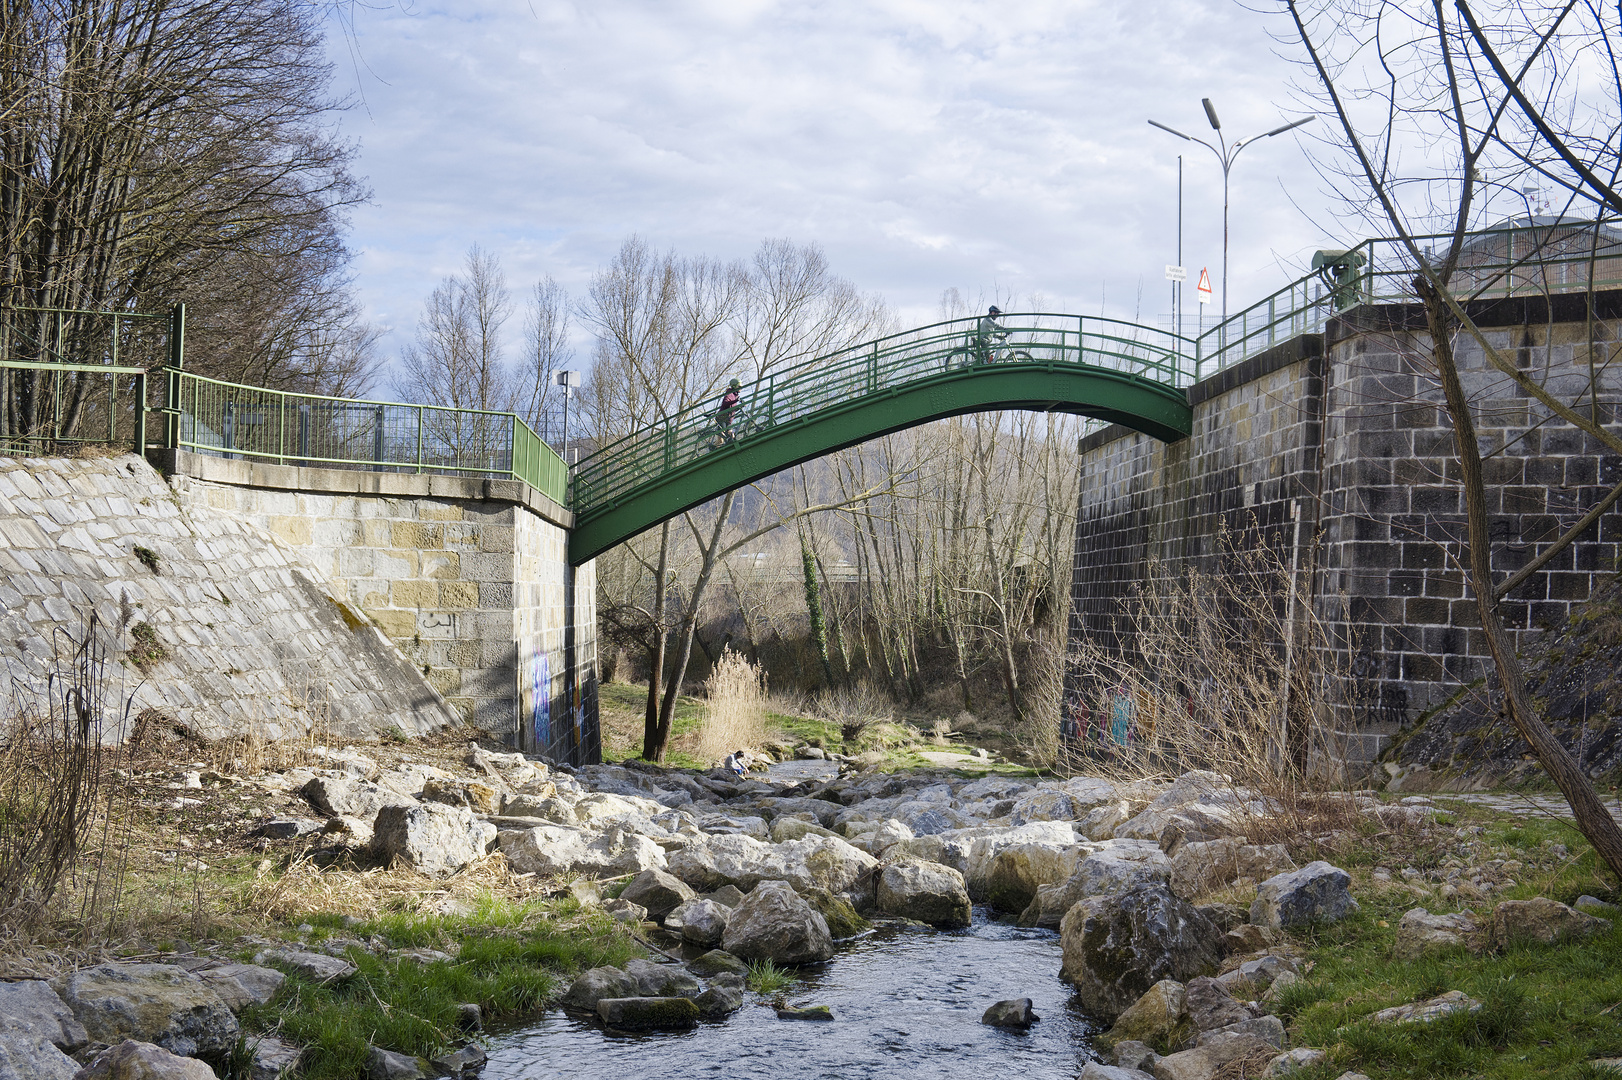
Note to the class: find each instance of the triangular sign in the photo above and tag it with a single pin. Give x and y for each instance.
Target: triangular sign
(1204, 287)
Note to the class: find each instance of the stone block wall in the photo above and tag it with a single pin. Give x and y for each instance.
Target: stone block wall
(468, 578)
(253, 638)
(1349, 425)
(1393, 511)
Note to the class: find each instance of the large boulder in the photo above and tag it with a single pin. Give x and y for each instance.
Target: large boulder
(1116, 866)
(825, 862)
(662, 980)
(1117, 947)
(155, 1003)
(1419, 932)
(703, 922)
(557, 850)
(317, 967)
(1202, 866)
(29, 1055)
(774, 923)
(592, 986)
(345, 796)
(1013, 1013)
(242, 985)
(432, 838)
(1102, 821)
(1542, 921)
(1209, 1005)
(1317, 892)
(132, 1060)
(660, 893)
(32, 1008)
(649, 1013)
(926, 891)
(985, 844)
(1015, 873)
(1157, 1019)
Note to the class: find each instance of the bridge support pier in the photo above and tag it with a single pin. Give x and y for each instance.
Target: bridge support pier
(468, 577)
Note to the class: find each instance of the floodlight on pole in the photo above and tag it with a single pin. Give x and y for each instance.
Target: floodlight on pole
(1226, 155)
(570, 381)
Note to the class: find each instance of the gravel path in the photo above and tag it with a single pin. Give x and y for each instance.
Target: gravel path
(1546, 805)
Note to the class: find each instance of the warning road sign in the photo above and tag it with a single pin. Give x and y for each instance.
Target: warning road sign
(1204, 287)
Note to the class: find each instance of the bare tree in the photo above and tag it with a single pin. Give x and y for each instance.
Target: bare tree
(151, 150)
(1436, 81)
(546, 352)
(457, 358)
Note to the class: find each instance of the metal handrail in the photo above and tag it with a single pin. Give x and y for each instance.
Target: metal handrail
(228, 419)
(21, 442)
(885, 365)
(1385, 275)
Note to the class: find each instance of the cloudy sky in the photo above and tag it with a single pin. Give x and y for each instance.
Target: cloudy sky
(997, 148)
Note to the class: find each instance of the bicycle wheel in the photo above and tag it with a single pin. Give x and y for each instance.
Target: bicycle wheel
(959, 358)
(1020, 357)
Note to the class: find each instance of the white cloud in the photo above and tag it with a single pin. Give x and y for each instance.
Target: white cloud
(923, 143)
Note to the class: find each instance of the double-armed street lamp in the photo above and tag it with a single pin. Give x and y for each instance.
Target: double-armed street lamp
(1226, 155)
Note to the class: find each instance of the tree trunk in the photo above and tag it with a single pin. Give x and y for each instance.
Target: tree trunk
(652, 746)
(813, 608)
(1594, 821)
(689, 626)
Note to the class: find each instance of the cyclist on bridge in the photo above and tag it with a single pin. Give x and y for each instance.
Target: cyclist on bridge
(729, 406)
(988, 330)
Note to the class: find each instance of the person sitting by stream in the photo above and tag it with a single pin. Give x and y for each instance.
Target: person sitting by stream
(737, 763)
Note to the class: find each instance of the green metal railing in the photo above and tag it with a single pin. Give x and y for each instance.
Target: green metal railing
(215, 417)
(785, 396)
(62, 382)
(112, 411)
(232, 420)
(1535, 258)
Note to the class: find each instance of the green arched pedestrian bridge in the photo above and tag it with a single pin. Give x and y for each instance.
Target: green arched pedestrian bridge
(1113, 371)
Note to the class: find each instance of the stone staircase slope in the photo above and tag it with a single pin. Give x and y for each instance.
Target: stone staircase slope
(254, 639)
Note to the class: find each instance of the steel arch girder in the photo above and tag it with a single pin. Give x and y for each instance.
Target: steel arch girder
(1132, 401)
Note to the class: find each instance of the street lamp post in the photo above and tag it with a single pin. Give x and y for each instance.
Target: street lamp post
(1226, 155)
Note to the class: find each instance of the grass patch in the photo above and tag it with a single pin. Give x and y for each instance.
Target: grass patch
(148, 558)
(1546, 1010)
(766, 977)
(146, 650)
(511, 958)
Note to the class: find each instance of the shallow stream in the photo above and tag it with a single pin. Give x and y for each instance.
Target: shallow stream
(906, 1003)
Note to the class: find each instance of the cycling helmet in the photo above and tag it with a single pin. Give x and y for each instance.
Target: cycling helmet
(734, 384)
(995, 310)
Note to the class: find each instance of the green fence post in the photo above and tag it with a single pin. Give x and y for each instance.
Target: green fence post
(419, 438)
(873, 369)
(177, 363)
(140, 413)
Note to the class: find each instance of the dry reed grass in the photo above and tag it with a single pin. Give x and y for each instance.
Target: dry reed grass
(62, 822)
(735, 708)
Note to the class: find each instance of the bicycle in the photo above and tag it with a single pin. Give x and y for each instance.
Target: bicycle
(743, 425)
(970, 355)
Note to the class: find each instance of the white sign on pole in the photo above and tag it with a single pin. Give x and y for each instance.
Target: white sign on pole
(1176, 273)
(1204, 287)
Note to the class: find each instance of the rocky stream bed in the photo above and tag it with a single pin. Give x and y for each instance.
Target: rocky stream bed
(931, 918)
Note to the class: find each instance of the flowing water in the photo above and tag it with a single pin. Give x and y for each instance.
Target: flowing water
(906, 1002)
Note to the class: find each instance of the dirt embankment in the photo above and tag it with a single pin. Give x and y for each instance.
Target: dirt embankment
(1574, 673)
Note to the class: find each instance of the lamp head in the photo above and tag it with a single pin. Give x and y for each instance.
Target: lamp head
(1210, 114)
